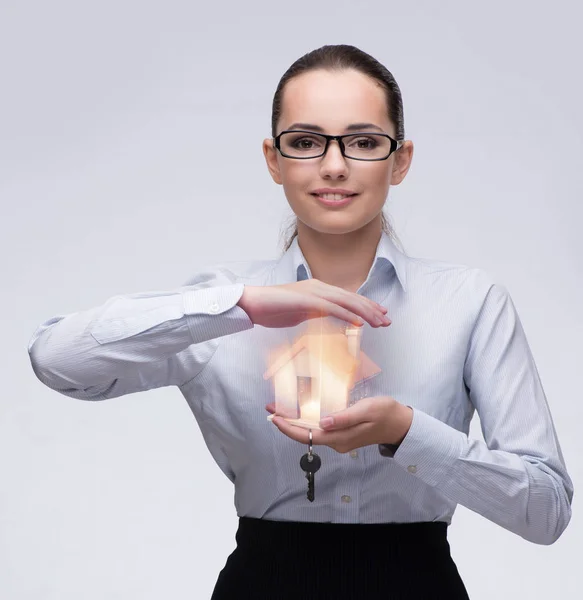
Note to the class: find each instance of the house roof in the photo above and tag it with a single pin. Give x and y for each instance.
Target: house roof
(366, 369)
(329, 342)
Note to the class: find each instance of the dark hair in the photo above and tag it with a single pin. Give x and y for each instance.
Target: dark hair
(337, 58)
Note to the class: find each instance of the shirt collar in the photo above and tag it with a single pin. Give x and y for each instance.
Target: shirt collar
(292, 266)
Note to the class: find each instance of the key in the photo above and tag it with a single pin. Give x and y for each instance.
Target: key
(310, 463)
(310, 494)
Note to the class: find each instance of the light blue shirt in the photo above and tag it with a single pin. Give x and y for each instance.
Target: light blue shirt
(455, 345)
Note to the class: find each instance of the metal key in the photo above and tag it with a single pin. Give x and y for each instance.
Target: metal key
(310, 467)
(310, 463)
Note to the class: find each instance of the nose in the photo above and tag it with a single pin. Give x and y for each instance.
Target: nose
(333, 164)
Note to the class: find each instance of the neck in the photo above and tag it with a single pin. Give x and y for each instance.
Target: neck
(343, 260)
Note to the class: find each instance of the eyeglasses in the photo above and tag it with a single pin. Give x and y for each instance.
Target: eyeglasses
(302, 144)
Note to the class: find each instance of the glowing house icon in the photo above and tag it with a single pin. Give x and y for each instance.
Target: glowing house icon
(317, 374)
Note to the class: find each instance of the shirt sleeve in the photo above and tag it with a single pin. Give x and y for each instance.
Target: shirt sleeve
(137, 342)
(517, 477)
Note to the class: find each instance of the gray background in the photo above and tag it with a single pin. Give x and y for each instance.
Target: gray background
(130, 156)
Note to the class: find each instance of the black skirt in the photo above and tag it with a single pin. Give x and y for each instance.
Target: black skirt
(281, 560)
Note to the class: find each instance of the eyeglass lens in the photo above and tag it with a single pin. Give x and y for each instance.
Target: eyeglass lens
(367, 146)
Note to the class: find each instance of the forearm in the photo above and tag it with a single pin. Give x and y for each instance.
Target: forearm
(132, 336)
(527, 495)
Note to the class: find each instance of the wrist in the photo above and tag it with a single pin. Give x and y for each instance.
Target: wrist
(407, 420)
(243, 301)
(400, 424)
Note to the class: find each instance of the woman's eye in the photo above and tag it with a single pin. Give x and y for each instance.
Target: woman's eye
(305, 143)
(366, 143)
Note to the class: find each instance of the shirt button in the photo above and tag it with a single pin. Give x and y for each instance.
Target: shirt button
(214, 308)
(346, 499)
(412, 468)
(354, 453)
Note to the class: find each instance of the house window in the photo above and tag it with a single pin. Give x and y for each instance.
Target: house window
(360, 390)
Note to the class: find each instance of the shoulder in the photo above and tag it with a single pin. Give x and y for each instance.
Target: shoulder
(456, 283)
(231, 272)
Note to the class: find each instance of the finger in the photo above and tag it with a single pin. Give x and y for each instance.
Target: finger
(330, 300)
(325, 307)
(301, 434)
(314, 306)
(352, 312)
(270, 407)
(333, 288)
(355, 297)
(349, 417)
(359, 305)
(342, 441)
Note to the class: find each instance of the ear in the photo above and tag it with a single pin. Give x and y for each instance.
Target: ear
(401, 163)
(271, 158)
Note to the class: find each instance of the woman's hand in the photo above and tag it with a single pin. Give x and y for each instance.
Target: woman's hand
(376, 420)
(290, 304)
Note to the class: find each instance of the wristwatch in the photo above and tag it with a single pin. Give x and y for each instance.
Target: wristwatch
(388, 449)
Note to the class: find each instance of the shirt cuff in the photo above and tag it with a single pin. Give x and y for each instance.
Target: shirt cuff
(213, 312)
(430, 449)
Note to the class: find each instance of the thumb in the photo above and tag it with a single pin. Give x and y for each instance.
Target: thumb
(345, 418)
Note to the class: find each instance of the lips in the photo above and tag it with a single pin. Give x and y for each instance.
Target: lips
(335, 203)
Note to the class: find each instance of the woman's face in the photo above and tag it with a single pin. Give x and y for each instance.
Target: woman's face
(334, 100)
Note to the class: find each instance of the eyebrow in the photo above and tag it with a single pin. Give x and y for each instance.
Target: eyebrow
(352, 127)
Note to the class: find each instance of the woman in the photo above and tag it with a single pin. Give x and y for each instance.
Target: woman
(396, 463)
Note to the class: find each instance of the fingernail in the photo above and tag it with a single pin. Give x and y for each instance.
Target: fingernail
(326, 422)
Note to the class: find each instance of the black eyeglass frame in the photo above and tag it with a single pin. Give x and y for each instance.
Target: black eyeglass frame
(395, 144)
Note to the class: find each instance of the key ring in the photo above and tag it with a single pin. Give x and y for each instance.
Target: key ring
(310, 455)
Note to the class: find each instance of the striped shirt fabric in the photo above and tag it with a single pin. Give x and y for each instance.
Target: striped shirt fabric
(456, 345)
